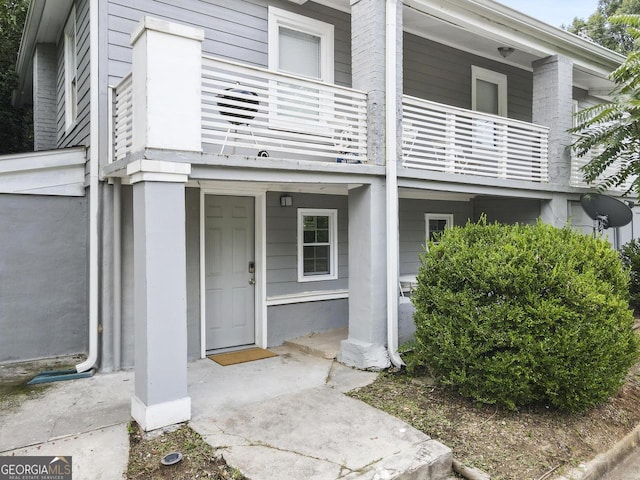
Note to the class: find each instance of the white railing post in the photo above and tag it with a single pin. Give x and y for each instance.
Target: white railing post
(502, 150)
(166, 74)
(450, 143)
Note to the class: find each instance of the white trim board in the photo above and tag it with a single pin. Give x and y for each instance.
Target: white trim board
(305, 297)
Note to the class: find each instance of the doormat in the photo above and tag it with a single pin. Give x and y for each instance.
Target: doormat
(241, 356)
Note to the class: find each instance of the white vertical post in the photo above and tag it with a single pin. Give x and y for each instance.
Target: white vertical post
(167, 78)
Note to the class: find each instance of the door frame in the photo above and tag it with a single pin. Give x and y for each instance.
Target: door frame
(260, 255)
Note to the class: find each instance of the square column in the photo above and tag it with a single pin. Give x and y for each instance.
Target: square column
(160, 291)
(553, 108)
(366, 346)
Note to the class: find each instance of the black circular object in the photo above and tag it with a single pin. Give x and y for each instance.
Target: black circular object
(263, 153)
(238, 111)
(608, 210)
(171, 458)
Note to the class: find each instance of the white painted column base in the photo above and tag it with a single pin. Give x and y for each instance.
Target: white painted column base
(151, 417)
(363, 355)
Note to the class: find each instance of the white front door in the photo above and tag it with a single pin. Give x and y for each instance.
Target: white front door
(229, 271)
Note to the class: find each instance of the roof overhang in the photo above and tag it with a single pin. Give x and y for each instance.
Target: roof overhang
(44, 24)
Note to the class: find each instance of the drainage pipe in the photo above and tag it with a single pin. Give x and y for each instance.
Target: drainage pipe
(94, 185)
(392, 182)
(117, 275)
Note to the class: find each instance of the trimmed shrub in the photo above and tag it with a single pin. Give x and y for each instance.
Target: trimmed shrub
(515, 315)
(630, 255)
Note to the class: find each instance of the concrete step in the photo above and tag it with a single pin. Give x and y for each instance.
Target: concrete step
(323, 345)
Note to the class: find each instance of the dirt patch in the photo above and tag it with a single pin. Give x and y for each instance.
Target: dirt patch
(199, 460)
(521, 445)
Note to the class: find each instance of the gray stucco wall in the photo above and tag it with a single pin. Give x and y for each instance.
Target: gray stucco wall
(443, 74)
(235, 30)
(43, 277)
(292, 321)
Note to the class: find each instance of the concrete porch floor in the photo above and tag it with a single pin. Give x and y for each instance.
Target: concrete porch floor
(281, 416)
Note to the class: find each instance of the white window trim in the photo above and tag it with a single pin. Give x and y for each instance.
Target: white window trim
(333, 242)
(500, 79)
(448, 217)
(293, 21)
(70, 70)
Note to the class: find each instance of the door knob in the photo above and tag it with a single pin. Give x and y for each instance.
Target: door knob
(252, 281)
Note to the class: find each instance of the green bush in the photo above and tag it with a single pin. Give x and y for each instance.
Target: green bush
(630, 255)
(524, 314)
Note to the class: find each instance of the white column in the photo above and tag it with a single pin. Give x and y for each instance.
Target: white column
(167, 66)
(160, 292)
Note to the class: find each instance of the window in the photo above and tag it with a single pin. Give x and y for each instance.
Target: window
(488, 91)
(317, 245)
(303, 47)
(436, 224)
(70, 71)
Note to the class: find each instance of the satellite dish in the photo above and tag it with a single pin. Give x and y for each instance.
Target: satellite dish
(605, 211)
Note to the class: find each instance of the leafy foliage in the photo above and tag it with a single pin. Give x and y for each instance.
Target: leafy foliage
(630, 255)
(15, 123)
(516, 315)
(599, 29)
(611, 131)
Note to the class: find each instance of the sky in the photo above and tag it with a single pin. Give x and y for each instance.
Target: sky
(554, 12)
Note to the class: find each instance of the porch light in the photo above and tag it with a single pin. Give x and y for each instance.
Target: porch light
(506, 51)
(286, 201)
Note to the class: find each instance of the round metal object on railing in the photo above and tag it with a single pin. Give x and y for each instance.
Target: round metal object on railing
(230, 105)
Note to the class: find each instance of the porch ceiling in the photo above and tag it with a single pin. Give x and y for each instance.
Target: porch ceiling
(481, 26)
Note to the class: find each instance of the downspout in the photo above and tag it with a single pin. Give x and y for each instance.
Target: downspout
(94, 165)
(117, 275)
(392, 183)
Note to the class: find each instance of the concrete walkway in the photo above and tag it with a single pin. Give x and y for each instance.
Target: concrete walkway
(282, 414)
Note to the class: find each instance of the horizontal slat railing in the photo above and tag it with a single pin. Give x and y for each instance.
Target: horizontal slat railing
(448, 139)
(123, 125)
(577, 179)
(247, 110)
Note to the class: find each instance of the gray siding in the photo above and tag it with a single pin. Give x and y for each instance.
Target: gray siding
(43, 277)
(292, 321)
(413, 229)
(234, 30)
(507, 210)
(443, 74)
(282, 273)
(78, 134)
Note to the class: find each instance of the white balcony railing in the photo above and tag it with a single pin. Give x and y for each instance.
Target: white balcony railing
(123, 123)
(577, 179)
(247, 110)
(448, 139)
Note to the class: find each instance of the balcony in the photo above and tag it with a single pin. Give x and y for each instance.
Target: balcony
(577, 163)
(248, 111)
(442, 138)
(251, 111)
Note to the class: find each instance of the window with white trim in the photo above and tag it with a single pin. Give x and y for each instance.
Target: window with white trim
(436, 224)
(317, 244)
(488, 91)
(299, 46)
(70, 70)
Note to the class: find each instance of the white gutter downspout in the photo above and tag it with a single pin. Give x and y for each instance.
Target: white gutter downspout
(94, 165)
(392, 183)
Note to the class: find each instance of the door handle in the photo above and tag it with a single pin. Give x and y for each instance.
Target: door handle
(252, 281)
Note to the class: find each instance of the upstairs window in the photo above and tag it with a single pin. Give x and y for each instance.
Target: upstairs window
(70, 70)
(317, 244)
(488, 91)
